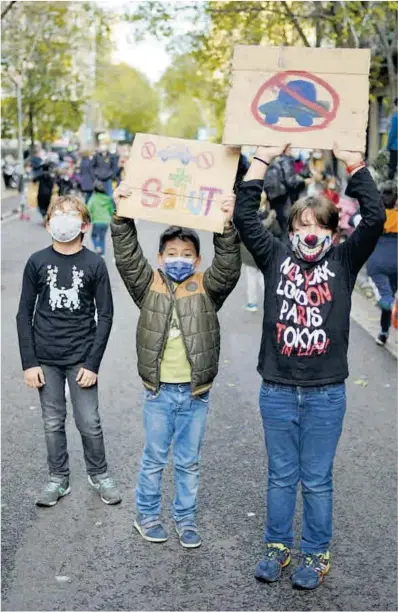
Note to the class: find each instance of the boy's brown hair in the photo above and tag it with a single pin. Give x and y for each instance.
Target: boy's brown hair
(77, 204)
(326, 213)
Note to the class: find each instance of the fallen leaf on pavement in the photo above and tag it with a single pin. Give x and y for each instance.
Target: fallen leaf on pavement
(362, 382)
(251, 514)
(63, 579)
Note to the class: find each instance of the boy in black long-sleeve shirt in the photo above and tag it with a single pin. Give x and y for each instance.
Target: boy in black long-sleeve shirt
(63, 287)
(303, 355)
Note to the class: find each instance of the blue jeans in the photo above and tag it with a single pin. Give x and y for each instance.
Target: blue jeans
(172, 412)
(302, 427)
(98, 235)
(108, 187)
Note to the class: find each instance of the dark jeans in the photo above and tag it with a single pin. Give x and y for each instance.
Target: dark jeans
(98, 235)
(87, 419)
(302, 427)
(87, 196)
(393, 163)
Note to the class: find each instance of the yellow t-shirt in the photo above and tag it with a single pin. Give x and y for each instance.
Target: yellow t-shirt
(174, 367)
(391, 225)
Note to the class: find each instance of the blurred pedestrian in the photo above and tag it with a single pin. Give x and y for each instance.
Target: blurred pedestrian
(63, 287)
(392, 143)
(87, 176)
(317, 171)
(101, 209)
(254, 276)
(105, 166)
(46, 180)
(282, 185)
(382, 265)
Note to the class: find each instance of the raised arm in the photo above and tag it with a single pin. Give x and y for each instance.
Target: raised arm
(255, 237)
(223, 274)
(359, 246)
(134, 268)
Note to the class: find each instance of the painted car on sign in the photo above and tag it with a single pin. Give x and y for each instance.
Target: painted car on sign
(176, 153)
(286, 105)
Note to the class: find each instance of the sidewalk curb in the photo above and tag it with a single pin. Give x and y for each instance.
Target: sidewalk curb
(365, 312)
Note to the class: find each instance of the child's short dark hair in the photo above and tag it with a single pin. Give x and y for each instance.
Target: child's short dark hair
(184, 234)
(99, 186)
(326, 213)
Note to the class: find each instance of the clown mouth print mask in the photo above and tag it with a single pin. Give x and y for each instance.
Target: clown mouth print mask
(310, 247)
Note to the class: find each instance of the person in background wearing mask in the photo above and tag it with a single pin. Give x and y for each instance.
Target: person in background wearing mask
(383, 263)
(63, 287)
(178, 348)
(303, 355)
(392, 143)
(105, 167)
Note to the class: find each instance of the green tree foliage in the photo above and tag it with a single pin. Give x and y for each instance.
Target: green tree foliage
(186, 98)
(218, 26)
(127, 99)
(50, 44)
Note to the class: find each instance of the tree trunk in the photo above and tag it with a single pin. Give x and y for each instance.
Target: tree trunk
(31, 128)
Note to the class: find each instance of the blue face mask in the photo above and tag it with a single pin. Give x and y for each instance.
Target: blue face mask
(179, 269)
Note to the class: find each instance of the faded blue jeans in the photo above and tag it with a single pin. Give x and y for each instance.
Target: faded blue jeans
(171, 412)
(302, 427)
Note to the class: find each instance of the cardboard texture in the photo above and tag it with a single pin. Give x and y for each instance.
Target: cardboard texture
(179, 182)
(308, 97)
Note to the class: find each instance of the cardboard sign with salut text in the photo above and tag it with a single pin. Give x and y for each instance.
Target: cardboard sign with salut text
(179, 182)
(309, 97)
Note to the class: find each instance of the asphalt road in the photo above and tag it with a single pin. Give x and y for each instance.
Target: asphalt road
(9, 204)
(104, 563)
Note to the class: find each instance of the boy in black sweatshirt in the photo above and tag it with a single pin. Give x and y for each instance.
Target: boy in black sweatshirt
(303, 355)
(59, 340)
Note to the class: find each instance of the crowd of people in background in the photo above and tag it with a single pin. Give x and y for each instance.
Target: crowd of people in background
(296, 173)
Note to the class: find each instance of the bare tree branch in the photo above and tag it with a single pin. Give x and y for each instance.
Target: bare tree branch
(296, 24)
(8, 7)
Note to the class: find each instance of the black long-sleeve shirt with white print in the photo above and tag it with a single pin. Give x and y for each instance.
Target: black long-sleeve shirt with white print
(307, 305)
(56, 317)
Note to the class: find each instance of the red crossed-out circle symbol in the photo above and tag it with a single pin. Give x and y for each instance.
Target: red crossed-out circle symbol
(148, 150)
(279, 81)
(205, 160)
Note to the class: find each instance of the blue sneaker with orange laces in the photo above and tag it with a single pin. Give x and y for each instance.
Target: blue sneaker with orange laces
(269, 569)
(312, 570)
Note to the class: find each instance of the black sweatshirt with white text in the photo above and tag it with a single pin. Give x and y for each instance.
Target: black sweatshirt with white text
(56, 317)
(307, 304)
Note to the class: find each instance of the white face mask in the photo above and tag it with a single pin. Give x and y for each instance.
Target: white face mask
(317, 155)
(103, 148)
(65, 228)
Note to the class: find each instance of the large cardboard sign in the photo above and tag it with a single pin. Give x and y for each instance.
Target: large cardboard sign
(309, 97)
(179, 182)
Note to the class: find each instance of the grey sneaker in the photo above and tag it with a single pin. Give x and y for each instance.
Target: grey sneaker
(106, 488)
(56, 488)
(151, 528)
(188, 533)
